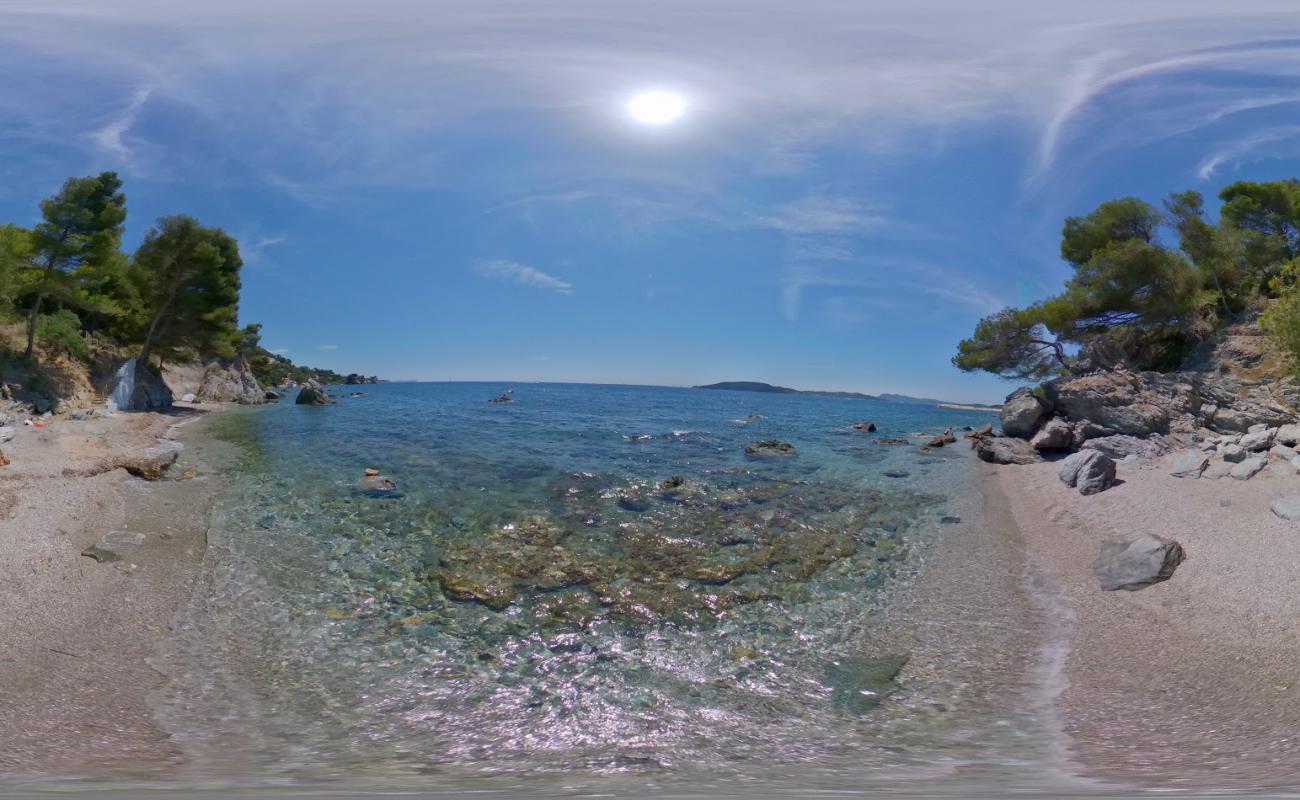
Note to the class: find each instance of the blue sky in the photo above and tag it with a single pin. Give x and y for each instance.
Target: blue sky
(430, 190)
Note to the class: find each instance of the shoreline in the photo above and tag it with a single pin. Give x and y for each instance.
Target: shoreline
(1190, 683)
(74, 676)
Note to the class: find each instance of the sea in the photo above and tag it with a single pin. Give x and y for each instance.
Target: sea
(596, 591)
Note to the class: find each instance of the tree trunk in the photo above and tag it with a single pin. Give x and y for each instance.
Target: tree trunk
(31, 326)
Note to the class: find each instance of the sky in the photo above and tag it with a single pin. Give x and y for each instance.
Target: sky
(458, 191)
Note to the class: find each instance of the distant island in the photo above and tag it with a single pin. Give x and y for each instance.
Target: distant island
(757, 386)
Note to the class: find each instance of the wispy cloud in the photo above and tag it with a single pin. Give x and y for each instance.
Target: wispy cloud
(111, 138)
(1244, 146)
(253, 247)
(824, 214)
(522, 274)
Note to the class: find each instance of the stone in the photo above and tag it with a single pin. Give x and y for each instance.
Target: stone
(1288, 435)
(1056, 434)
(769, 448)
(1216, 470)
(1209, 447)
(1281, 469)
(1004, 450)
(114, 546)
(1247, 469)
(1137, 563)
(371, 472)
(1189, 464)
(1233, 453)
(1282, 451)
(858, 684)
(1120, 446)
(1287, 508)
(312, 394)
(1022, 412)
(896, 473)
(7, 433)
(949, 520)
(1256, 428)
(869, 427)
(271, 394)
(1087, 429)
(1090, 470)
(1257, 441)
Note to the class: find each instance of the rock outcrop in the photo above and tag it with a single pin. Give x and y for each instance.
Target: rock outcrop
(312, 394)
(1022, 413)
(139, 389)
(1137, 563)
(1057, 434)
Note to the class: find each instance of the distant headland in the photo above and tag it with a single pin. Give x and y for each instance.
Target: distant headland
(757, 386)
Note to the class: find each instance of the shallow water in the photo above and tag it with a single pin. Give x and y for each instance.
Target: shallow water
(593, 590)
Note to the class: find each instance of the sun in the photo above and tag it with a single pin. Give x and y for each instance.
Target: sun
(656, 107)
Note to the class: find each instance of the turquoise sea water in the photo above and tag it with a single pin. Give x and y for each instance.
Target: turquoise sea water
(594, 588)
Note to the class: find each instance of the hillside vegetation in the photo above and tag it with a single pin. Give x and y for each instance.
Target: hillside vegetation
(73, 302)
(1151, 284)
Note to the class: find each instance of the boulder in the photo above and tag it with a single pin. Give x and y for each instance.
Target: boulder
(940, 441)
(1022, 412)
(1249, 468)
(1137, 563)
(1257, 441)
(1287, 508)
(769, 448)
(1189, 464)
(1282, 451)
(1087, 429)
(271, 394)
(231, 382)
(312, 394)
(1257, 428)
(1288, 435)
(1216, 470)
(869, 427)
(1119, 446)
(1233, 453)
(7, 433)
(1090, 470)
(1004, 450)
(1057, 434)
(139, 389)
(377, 486)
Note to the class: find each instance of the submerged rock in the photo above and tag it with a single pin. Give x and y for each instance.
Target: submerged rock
(769, 448)
(869, 427)
(859, 684)
(1137, 563)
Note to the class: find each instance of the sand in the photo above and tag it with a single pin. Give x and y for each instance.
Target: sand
(1194, 682)
(77, 633)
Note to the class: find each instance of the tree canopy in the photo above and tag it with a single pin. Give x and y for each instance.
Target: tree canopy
(1147, 283)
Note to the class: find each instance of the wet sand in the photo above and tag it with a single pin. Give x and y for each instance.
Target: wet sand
(1192, 683)
(77, 633)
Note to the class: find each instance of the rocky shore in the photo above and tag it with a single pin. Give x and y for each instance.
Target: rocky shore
(103, 522)
(1183, 488)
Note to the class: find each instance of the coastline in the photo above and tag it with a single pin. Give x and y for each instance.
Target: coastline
(74, 677)
(1189, 683)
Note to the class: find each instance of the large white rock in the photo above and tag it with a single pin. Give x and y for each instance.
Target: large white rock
(1257, 441)
(1248, 468)
(1189, 464)
(1287, 508)
(1288, 435)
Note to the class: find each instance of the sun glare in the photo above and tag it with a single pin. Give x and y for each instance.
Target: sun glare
(656, 107)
